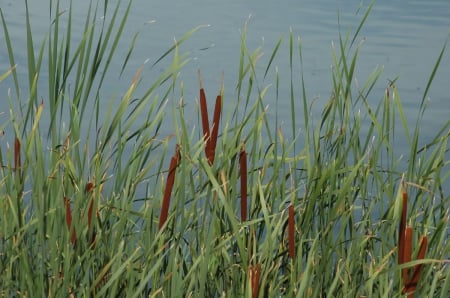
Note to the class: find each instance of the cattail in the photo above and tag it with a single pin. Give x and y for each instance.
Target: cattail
(291, 232)
(407, 253)
(412, 284)
(204, 114)
(69, 220)
(17, 158)
(402, 228)
(169, 185)
(255, 273)
(405, 234)
(215, 125)
(215, 129)
(90, 190)
(243, 172)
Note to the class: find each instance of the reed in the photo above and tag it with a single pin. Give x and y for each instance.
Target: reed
(322, 206)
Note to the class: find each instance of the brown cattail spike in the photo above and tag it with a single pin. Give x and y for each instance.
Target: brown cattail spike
(69, 220)
(215, 128)
(243, 172)
(169, 185)
(204, 112)
(291, 232)
(402, 228)
(407, 254)
(255, 272)
(412, 283)
(17, 158)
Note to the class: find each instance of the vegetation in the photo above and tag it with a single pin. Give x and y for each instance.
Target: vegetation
(92, 205)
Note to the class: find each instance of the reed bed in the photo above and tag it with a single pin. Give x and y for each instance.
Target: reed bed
(91, 205)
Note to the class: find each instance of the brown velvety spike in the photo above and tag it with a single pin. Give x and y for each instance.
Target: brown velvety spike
(91, 208)
(255, 273)
(243, 172)
(412, 284)
(407, 254)
(17, 158)
(89, 187)
(169, 185)
(402, 228)
(204, 110)
(291, 232)
(69, 220)
(215, 127)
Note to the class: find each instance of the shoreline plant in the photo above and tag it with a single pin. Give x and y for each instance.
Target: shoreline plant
(91, 205)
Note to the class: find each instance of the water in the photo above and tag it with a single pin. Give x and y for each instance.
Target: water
(404, 38)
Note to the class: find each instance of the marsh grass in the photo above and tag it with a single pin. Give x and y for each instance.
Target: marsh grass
(91, 206)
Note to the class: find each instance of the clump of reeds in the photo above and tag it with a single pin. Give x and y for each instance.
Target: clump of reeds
(410, 276)
(89, 207)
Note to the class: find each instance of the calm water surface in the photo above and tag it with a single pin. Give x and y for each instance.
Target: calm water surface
(403, 37)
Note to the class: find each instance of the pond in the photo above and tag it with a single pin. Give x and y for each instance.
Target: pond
(403, 37)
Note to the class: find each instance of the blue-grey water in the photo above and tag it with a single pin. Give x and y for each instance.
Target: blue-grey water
(402, 37)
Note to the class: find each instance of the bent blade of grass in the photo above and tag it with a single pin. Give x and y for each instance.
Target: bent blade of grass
(120, 110)
(433, 72)
(10, 54)
(117, 270)
(362, 22)
(178, 43)
(306, 278)
(272, 56)
(7, 73)
(226, 205)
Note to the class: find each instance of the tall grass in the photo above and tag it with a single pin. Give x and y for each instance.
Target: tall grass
(91, 206)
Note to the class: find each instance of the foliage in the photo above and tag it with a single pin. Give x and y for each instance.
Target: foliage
(88, 206)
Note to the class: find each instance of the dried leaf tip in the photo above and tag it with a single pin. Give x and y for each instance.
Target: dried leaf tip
(222, 84)
(200, 79)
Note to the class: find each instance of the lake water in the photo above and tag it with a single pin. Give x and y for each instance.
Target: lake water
(404, 37)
